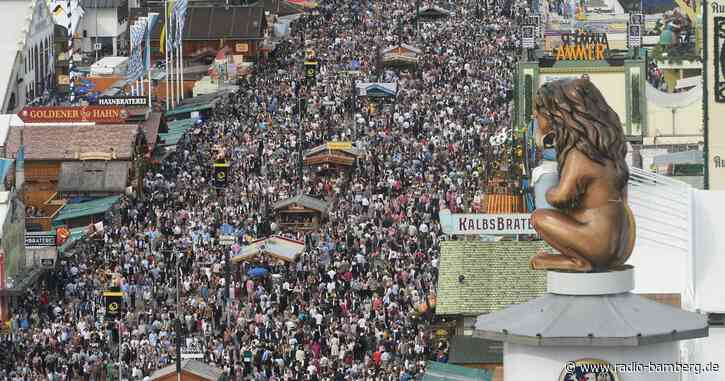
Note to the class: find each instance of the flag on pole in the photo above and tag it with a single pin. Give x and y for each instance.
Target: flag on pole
(180, 14)
(152, 19)
(135, 62)
(166, 43)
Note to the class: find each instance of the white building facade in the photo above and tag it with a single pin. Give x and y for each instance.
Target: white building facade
(104, 26)
(26, 52)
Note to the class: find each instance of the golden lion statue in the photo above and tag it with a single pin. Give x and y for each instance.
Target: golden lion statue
(592, 227)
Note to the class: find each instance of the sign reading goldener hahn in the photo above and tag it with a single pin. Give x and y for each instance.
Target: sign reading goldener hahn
(123, 101)
(489, 224)
(84, 114)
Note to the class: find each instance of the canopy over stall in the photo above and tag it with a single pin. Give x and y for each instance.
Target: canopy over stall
(277, 247)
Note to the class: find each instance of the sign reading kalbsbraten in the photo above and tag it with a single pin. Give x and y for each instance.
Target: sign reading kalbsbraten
(490, 224)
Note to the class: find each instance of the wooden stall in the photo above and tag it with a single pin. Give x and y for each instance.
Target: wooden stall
(301, 212)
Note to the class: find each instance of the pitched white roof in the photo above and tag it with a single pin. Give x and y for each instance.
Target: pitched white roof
(15, 18)
(275, 246)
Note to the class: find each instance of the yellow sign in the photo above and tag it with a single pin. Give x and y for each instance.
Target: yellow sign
(582, 46)
(63, 79)
(242, 48)
(339, 145)
(587, 52)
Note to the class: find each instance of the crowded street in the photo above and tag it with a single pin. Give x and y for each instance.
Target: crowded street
(356, 304)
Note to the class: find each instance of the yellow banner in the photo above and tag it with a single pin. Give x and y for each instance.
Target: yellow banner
(339, 145)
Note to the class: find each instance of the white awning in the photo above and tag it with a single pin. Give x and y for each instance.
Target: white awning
(684, 157)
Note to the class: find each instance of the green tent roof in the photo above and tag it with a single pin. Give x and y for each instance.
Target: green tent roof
(190, 108)
(177, 128)
(82, 209)
(495, 275)
(438, 371)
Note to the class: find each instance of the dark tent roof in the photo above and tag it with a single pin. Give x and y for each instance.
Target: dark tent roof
(473, 350)
(215, 23)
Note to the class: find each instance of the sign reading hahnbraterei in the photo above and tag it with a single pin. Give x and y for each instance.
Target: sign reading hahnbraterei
(714, 89)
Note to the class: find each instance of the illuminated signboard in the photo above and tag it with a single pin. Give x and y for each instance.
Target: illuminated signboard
(83, 114)
(582, 46)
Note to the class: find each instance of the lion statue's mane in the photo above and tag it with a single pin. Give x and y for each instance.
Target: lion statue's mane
(581, 118)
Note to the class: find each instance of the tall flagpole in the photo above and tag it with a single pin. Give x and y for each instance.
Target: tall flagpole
(166, 50)
(178, 68)
(153, 18)
(182, 66)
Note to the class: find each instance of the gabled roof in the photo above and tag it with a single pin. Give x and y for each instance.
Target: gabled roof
(496, 275)
(305, 201)
(433, 11)
(275, 246)
(43, 142)
(192, 366)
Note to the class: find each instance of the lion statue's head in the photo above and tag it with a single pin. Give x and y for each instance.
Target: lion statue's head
(577, 115)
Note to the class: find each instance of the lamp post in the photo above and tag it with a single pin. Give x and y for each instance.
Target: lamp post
(300, 137)
(178, 321)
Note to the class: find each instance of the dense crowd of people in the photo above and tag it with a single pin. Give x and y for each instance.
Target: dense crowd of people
(356, 305)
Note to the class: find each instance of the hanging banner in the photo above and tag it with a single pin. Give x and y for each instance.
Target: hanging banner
(527, 40)
(714, 81)
(310, 72)
(82, 114)
(486, 224)
(114, 302)
(221, 173)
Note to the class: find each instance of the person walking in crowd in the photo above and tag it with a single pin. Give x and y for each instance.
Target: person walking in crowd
(349, 307)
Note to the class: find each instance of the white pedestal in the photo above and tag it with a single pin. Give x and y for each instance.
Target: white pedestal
(592, 317)
(526, 362)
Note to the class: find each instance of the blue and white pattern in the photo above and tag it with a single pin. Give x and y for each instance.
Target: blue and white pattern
(135, 62)
(180, 15)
